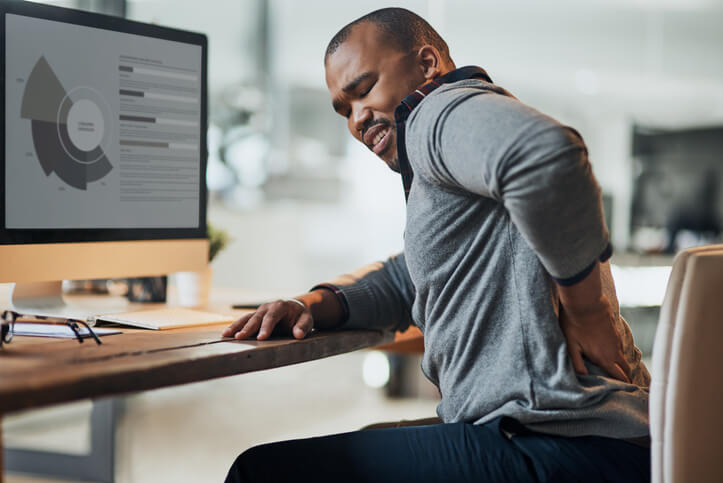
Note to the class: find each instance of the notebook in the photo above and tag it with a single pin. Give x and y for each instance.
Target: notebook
(166, 318)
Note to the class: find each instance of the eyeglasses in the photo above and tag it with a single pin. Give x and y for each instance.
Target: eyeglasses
(8, 325)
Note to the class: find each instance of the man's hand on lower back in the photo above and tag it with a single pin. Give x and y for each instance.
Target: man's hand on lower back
(593, 335)
(588, 322)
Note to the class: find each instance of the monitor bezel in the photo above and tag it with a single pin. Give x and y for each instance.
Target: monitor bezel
(118, 24)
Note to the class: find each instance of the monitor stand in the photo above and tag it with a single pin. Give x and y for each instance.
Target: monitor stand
(46, 298)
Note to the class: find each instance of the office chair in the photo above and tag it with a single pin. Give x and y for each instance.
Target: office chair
(686, 391)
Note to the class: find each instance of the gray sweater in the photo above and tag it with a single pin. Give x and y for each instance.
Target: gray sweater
(503, 199)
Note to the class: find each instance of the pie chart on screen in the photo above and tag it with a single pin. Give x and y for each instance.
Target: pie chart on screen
(69, 128)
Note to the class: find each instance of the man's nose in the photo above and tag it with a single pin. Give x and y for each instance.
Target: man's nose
(361, 117)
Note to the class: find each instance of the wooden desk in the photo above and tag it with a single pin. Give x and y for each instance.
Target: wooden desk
(411, 341)
(37, 372)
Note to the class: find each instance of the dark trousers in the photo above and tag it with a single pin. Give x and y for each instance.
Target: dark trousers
(443, 453)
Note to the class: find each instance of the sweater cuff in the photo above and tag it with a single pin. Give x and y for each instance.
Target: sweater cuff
(355, 299)
(604, 256)
(340, 297)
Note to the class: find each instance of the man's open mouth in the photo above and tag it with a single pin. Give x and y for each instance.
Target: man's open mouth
(377, 138)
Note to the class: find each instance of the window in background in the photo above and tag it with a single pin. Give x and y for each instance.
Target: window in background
(677, 199)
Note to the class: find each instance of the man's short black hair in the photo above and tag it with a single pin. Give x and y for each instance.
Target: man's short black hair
(404, 28)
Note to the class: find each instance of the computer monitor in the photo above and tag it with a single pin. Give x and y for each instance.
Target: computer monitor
(104, 150)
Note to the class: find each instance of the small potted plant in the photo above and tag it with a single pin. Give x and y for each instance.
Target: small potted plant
(194, 287)
(217, 241)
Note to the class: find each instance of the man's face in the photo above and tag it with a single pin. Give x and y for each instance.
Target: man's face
(368, 77)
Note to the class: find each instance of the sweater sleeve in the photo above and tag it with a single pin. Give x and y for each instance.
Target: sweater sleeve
(378, 295)
(494, 146)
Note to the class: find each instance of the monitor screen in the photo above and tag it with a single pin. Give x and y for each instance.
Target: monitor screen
(104, 148)
(104, 129)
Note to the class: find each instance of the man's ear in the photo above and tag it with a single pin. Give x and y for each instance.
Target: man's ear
(430, 62)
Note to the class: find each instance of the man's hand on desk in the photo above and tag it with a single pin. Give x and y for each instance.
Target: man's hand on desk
(296, 317)
(290, 316)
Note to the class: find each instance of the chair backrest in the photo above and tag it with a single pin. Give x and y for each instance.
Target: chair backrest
(686, 390)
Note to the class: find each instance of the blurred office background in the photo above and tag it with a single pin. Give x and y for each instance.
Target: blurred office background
(642, 80)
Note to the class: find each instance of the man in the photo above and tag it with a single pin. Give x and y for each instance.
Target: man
(504, 270)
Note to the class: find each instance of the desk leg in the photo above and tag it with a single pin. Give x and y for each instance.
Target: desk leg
(2, 452)
(98, 465)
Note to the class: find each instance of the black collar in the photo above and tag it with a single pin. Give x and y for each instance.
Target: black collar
(413, 99)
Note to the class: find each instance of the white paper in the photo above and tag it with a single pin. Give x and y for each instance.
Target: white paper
(57, 330)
